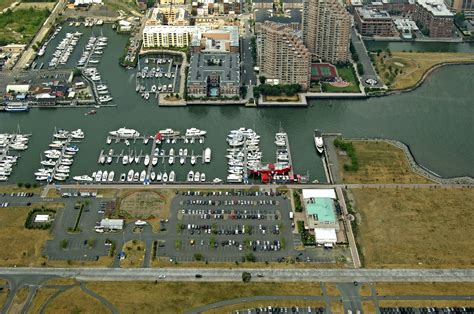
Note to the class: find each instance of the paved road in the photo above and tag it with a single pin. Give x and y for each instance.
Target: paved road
(369, 71)
(270, 275)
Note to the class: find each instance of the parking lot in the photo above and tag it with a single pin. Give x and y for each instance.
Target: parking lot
(227, 226)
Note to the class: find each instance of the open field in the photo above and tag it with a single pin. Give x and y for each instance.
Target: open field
(255, 304)
(428, 288)
(126, 6)
(135, 257)
(19, 26)
(104, 261)
(347, 74)
(331, 289)
(151, 206)
(379, 162)
(414, 227)
(41, 296)
(61, 281)
(75, 301)
(176, 297)
(20, 246)
(368, 307)
(19, 300)
(401, 70)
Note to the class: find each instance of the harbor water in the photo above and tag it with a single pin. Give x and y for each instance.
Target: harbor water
(436, 121)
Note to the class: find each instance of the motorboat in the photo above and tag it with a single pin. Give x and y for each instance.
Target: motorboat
(49, 163)
(171, 160)
(125, 133)
(207, 155)
(130, 175)
(136, 176)
(165, 177)
(182, 160)
(172, 176)
(38, 178)
(137, 159)
(98, 176)
(101, 87)
(197, 176)
(83, 178)
(102, 159)
(123, 177)
(104, 176)
(140, 223)
(193, 160)
(318, 141)
(152, 176)
(146, 162)
(109, 159)
(193, 132)
(125, 160)
(142, 176)
(158, 176)
(217, 180)
(168, 132)
(154, 161)
(190, 177)
(234, 178)
(111, 176)
(77, 134)
(203, 177)
(60, 176)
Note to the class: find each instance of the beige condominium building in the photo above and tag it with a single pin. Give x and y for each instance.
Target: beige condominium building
(283, 55)
(169, 36)
(326, 30)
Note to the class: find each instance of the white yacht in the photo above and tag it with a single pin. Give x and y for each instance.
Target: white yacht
(318, 141)
(193, 132)
(154, 161)
(125, 133)
(123, 177)
(190, 176)
(105, 175)
(203, 177)
(146, 162)
(172, 176)
(130, 175)
(169, 132)
(142, 176)
(165, 177)
(84, 178)
(193, 160)
(197, 176)
(207, 155)
(111, 176)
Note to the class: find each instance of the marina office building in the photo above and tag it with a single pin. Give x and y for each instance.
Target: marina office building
(320, 209)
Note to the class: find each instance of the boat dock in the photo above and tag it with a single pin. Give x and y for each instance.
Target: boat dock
(290, 162)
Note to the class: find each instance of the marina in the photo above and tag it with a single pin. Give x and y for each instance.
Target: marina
(397, 117)
(11, 142)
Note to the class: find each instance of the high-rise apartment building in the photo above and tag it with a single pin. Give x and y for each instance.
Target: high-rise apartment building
(283, 55)
(326, 30)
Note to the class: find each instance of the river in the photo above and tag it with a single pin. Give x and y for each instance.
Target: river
(436, 121)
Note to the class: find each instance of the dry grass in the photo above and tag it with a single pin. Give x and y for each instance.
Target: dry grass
(3, 296)
(19, 300)
(282, 98)
(368, 307)
(255, 304)
(332, 289)
(413, 65)
(338, 308)
(415, 227)
(379, 162)
(104, 261)
(61, 281)
(3, 281)
(151, 206)
(10, 188)
(20, 246)
(41, 296)
(426, 303)
(75, 301)
(365, 290)
(177, 297)
(422, 288)
(6, 3)
(135, 251)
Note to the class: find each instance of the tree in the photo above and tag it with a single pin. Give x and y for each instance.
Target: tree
(246, 276)
(262, 79)
(459, 18)
(250, 257)
(360, 69)
(198, 257)
(63, 244)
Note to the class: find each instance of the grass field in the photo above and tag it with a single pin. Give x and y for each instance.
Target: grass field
(36, 5)
(177, 297)
(126, 6)
(20, 246)
(347, 74)
(135, 251)
(401, 70)
(379, 162)
(75, 301)
(10, 188)
(426, 303)
(331, 289)
(19, 26)
(151, 206)
(415, 227)
(41, 296)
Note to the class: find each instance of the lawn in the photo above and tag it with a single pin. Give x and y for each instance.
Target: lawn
(401, 70)
(347, 73)
(177, 297)
(20, 246)
(379, 162)
(36, 5)
(281, 98)
(135, 251)
(415, 227)
(19, 26)
(75, 301)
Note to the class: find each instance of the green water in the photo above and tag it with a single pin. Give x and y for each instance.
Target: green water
(436, 121)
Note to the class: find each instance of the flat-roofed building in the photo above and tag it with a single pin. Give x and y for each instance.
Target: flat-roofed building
(112, 224)
(155, 36)
(465, 6)
(374, 22)
(434, 18)
(282, 55)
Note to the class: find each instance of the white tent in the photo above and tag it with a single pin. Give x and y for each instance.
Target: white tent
(325, 235)
(41, 218)
(316, 193)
